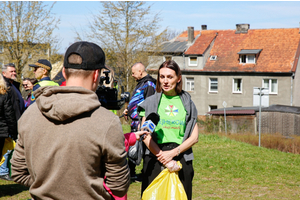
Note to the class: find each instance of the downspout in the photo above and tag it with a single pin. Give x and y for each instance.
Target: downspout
(292, 77)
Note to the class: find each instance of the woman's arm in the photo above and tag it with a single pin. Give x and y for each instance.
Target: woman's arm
(166, 156)
(152, 146)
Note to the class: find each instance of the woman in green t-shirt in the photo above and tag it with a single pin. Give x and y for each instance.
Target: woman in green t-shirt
(177, 130)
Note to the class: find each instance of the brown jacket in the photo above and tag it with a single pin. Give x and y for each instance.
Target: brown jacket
(67, 144)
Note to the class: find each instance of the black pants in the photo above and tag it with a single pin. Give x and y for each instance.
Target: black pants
(131, 164)
(152, 167)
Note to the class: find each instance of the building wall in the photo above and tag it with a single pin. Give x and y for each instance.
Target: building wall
(203, 98)
(156, 61)
(296, 86)
(286, 124)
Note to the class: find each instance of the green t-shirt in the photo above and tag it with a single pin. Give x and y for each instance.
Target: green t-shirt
(172, 114)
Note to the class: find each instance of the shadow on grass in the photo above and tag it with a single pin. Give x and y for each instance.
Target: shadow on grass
(12, 189)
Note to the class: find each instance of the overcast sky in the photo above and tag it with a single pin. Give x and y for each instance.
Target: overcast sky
(178, 15)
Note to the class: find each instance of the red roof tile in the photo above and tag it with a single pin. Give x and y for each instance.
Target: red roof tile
(202, 42)
(279, 47)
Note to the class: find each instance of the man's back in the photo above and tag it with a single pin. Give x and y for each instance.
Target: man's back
(70, 143)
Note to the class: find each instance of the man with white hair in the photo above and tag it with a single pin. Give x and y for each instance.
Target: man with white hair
(10, 77)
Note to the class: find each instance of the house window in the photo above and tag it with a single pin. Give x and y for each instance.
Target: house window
(167, 58)
(247, 59)
(212, 107)
(213, 57)
(213, 85)
(237, 85)
(272, 84)
(249, 55)
(189, 84)
(193, 61)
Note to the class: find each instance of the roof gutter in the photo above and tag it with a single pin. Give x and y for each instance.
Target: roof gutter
(296, 58)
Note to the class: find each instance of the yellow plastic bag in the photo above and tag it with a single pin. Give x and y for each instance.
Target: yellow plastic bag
(9, 144)
(166, 186)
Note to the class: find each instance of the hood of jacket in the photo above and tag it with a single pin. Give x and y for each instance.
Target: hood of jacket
(62, 103)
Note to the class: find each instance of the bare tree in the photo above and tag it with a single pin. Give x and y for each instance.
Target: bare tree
(126, 30)
(26, 33)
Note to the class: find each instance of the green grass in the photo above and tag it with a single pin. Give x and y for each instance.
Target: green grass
(224, 169)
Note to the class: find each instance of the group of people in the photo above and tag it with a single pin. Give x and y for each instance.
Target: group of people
(70, 147)
(13, 104)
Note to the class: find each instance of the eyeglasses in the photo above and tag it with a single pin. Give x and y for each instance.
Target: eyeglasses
(24, 85)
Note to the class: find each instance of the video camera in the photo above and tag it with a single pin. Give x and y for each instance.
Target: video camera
(108, 96)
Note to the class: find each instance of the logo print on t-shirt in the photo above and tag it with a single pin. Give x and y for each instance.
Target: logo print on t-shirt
(171, 110)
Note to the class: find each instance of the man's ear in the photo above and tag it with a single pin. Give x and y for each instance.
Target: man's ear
(96, 75)
(64, 73)
(45, 72)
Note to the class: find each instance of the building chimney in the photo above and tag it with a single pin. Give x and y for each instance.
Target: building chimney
(190, 34)
(242, 28)
(204, 27)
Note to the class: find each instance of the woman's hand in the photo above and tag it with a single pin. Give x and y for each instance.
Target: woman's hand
(173, 166)
(166, 156)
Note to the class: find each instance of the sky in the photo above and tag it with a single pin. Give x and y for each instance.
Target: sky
(178, 15)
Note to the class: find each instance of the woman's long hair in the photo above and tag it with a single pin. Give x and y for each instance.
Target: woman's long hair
(3, 87)
(171, 64)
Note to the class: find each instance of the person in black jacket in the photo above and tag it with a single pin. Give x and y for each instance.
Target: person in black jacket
(145, 87)
(10, 75)
(8, 123)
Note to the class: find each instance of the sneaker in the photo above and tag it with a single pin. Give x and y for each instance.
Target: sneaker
(6, 177)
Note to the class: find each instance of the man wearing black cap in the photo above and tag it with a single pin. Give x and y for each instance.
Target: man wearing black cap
(42, 69)
(70, 145)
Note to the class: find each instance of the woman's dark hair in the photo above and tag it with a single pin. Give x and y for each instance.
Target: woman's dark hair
(32, 80)
(171, 64)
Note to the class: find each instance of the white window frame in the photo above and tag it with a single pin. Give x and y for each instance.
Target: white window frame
(270, 83)
(235, 90)
(213, 91)
(213, 57)
(247, 59)
(190, 84)
(193, 64)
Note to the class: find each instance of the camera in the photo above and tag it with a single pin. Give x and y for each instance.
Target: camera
(108, 94)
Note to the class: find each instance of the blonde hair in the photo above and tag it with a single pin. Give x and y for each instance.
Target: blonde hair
(3, 87)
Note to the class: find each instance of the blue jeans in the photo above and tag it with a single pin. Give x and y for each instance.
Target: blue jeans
(4, 167)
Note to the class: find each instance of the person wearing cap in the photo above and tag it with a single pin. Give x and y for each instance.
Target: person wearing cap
(70, 145)
(42, 70)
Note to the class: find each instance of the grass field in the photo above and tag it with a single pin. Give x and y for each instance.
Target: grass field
(224, 169)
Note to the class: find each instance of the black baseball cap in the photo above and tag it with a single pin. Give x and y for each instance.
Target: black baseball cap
(92, 55)
(42, 63)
